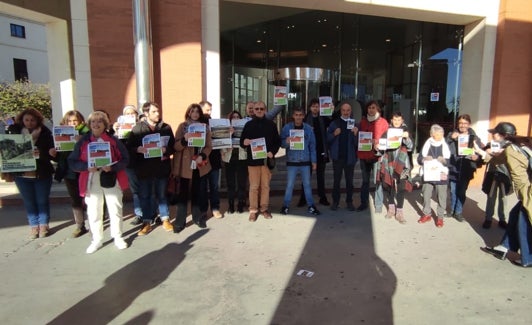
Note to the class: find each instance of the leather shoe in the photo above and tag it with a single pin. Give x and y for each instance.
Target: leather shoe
(495, 252)
(266, 214)
(324, 201)
(519, 262)
(201, 223)
(361, 208)
(253, 216)
(178, 229)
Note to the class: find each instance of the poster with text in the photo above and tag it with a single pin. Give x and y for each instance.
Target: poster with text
(16, 153)
(220, 133)
(99, 154)
(463, 145)
(394, 136)
(258, 148)
(326, 106)
(125, 125)
(152, 142)
(432, 170)
(197, 133)
(297, 141)
(365, 141)
(280, 96)
(64, 137)
(238, 126)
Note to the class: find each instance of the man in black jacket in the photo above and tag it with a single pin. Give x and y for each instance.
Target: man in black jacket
(319, 125)
(259, 173)
(152, 172)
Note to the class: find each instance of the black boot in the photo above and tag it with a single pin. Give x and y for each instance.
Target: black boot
(231, 206)
(240, 207)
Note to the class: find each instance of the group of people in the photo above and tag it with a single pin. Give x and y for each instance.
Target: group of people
(310, 141)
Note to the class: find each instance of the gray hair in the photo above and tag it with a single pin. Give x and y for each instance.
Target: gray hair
(436, 128)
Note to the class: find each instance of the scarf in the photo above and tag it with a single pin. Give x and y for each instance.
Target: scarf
(431, 142)
(374, 117)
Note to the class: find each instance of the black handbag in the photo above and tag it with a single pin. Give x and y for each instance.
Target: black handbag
(107, 179)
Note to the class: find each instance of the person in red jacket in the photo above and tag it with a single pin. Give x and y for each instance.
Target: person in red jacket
(369, 162)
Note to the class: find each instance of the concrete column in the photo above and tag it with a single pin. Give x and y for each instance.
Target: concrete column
(143, 51)
(210, 52)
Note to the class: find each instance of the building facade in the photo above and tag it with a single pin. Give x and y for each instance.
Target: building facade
(197, 50)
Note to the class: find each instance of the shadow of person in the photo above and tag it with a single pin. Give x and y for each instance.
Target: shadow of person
(350, 283)
(142, 319)
(123, 286)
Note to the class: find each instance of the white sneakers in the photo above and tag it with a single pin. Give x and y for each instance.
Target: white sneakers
(93, 247)
(120, 243)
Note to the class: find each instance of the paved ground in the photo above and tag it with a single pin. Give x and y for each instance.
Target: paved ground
(367, 270)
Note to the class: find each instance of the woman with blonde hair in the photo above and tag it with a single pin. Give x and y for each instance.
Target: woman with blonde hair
(101, 184)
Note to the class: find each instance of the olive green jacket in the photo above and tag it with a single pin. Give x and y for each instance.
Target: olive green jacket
(517, 164)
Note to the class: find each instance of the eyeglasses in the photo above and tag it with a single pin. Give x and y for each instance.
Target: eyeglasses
(259, 108)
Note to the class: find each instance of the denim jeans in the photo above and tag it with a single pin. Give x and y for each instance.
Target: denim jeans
(214, 197)
(458, 195)
(35, 194)
(340, 166)
(369, 169)
(291, 174)
(134, 188)
(518, 235)
(150, 202)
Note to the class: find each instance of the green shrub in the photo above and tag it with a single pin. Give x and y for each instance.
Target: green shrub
(18, 95)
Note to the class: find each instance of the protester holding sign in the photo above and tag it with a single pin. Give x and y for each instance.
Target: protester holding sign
(64, 172)
(259, 173)
(342, 141)
(434, 157)
(101, 184)
(151, 161)
(191, 165)
(34, 186)
(395, 168)
(463, 164)
(373, 122)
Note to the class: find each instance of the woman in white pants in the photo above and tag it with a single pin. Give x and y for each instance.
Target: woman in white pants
(101, 184)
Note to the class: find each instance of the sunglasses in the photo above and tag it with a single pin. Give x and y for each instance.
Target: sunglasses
(259, 108)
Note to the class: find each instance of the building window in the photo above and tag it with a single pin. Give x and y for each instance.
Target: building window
(21, 69)
(246, 90)
(18, 31)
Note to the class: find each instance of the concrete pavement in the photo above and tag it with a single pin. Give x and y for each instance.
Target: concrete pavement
(367, 269)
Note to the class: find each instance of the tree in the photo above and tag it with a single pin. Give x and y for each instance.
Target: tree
(18, 95)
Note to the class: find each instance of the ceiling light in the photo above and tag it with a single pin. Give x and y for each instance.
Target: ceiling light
(259, 41)
(323, 45)
(388, 40)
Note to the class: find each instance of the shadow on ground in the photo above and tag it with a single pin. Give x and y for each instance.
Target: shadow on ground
(350, 284)
(123, 286)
